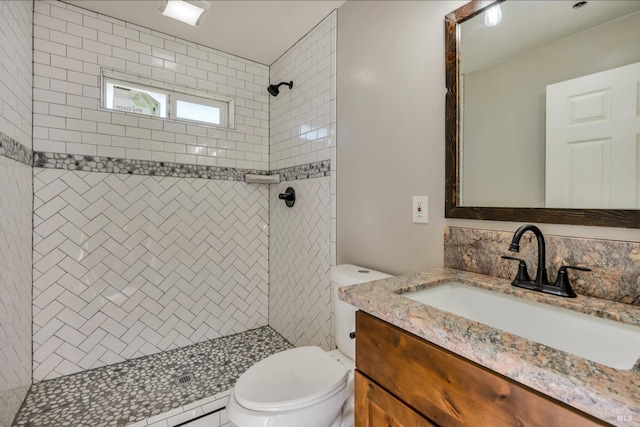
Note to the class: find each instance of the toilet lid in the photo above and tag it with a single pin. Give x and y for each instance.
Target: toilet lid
(289, 380)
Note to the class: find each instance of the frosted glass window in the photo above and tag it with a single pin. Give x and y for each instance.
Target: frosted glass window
(198, 112)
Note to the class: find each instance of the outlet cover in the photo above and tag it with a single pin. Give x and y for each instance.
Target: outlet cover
(420, 209)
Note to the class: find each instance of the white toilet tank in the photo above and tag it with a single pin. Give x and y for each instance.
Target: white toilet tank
(344, 315)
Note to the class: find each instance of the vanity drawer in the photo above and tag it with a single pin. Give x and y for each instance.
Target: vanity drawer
(448, 389)
(377, 408)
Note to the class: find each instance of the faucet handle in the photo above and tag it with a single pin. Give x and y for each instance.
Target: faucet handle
(574, 267)
(562, 282)
(523, 274)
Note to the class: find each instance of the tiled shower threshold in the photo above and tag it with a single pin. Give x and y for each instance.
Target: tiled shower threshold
(140, 389)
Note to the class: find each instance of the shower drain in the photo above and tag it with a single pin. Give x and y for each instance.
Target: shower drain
(184, 379)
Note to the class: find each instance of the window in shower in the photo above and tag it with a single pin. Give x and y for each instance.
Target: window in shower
(133, 94)
(198, 109)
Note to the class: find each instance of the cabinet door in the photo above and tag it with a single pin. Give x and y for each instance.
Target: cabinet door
(374, 407)
(448, 389)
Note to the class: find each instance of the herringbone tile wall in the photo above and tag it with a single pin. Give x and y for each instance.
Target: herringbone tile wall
(15, 286)
(127, 266)
(299, 255)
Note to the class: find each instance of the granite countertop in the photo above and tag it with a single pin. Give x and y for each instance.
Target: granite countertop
(609, 394)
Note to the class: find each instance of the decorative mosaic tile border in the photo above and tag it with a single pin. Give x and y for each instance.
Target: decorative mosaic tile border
(12, 149)
(138, 167)
(310, 170)
(132, 391)
(615, 265)
(181, 170)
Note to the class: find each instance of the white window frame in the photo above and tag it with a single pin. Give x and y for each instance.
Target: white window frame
(136, 86)
(223, 106)
(173, 93)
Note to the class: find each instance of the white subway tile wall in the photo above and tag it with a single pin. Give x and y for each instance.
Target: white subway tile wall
(192, 414)
(116, 271)
(16, 207)
(127, 265)
(16, 70)
(303, 119)
(302, 241)
(71, 45)
(15, 286)
(299, 260)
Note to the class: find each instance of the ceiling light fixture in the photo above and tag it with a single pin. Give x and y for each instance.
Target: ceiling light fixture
(493, 16)
(183, 11)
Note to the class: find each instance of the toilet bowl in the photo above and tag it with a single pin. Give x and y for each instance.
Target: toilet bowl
(299, 387)
(305, 386)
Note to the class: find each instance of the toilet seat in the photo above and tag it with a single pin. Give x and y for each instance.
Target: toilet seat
(290, 380)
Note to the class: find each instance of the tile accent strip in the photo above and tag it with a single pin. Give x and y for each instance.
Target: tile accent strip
(121, 394)
(151, 168)
(12, 149)
(138, 167)
(310, 170)
(615, 264)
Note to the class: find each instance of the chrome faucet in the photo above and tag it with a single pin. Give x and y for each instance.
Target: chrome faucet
(562, 287)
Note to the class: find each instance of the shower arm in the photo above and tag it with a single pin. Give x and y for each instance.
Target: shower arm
(290, 84)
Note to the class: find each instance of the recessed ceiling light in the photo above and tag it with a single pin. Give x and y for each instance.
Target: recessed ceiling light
(183, 11)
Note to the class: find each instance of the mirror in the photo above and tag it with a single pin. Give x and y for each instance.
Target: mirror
(532, 119)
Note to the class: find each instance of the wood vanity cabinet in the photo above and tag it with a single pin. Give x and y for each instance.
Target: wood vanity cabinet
(404, 381)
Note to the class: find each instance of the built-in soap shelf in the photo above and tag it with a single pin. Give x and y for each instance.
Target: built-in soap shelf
(261, 179)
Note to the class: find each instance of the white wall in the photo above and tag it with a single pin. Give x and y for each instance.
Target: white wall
(391, 132)
(15, 205)
(302, 238)
(71, 45)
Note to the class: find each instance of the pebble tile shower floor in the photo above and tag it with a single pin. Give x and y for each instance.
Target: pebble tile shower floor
(122, 394)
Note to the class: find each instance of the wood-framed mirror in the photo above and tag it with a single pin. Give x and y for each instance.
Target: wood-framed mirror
(527, 191)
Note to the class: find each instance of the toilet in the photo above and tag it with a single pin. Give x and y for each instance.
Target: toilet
(305, 386)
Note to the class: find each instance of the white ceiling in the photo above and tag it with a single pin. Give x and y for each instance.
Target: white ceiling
(259, 30)
(527, 24)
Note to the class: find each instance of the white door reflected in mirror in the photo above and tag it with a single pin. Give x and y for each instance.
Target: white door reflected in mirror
(593, 139)
(503, 74)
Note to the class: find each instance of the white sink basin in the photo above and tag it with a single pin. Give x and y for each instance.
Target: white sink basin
(600, 340)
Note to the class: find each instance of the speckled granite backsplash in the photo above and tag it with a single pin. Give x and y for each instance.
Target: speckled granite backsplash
(615, 264)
